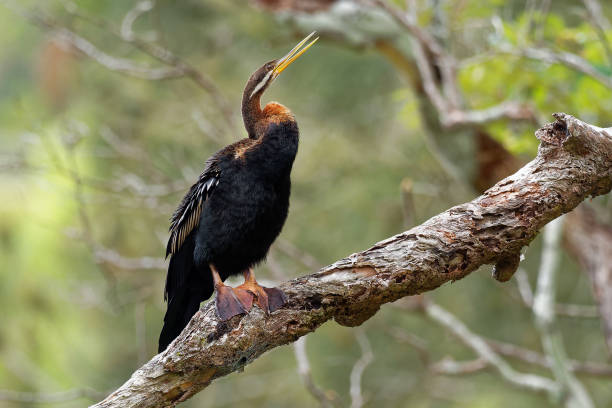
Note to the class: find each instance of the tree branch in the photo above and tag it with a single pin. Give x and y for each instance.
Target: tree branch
(325, 399)
(174, 67)
(574, 162)
(485, 352)
(561, 309)
(600, 25)
(566, 59)
(591, 243)
(514, 351)
(427, 53)
(544, 312)
(366, 358)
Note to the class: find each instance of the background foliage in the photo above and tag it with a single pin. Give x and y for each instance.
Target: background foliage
(93, 162)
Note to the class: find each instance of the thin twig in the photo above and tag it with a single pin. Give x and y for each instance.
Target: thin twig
(589, 238)
(413, 340)
(506, 349)
(566, 59)
(326, 399)
(131, 16)
(175, 68)
(561, 309)
(427, 53)
(533, 357)
(482, 349)
(600, 25)
(169, 58)
(450, 366)
(366, 358)
(66, 36)
(578, 311)
(543, 310)
(597, 14)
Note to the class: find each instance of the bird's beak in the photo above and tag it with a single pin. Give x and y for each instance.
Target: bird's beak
(294, 54)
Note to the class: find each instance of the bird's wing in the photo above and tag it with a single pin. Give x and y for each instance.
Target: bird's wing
(187, 215)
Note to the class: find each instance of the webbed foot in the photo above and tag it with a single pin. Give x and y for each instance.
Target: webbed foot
(268, 299)
(227, 302)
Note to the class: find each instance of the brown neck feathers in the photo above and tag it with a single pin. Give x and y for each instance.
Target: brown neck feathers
(251, 113)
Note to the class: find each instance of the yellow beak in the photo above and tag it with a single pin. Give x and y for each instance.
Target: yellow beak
(294, 54)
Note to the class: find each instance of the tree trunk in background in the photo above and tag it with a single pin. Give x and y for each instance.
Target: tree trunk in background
(590, 241)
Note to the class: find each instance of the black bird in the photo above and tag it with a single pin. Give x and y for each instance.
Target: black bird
(228, 219)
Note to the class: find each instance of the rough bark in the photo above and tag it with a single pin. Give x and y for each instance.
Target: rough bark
(574, 162)
(590, 241)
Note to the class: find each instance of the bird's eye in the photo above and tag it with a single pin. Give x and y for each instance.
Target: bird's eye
(269, 66)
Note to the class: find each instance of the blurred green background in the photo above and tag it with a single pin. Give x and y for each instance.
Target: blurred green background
(93, 161)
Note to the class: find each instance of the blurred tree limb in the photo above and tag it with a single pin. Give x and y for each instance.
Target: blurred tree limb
(561, 309)
(574, 162)
(172, 65)
(485, 352)
(449, 366)
(591, 244)
(325, 398)
(544, 313)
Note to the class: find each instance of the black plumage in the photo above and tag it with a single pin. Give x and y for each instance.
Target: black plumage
(228, 219)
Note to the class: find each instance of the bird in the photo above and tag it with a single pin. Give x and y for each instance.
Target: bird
(229, 218)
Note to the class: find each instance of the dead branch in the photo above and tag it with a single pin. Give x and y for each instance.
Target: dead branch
(574, 162)
(596, 13)
(67, 38)
(175, 67)
(569, 60)
(533, 357)
(451, 366)
(485, 352)
(357, 399)
(600, 25)
(325, 398)
(445, 97)
(561, 309)
(544, 312)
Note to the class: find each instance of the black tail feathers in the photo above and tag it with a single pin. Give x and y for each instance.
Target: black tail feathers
(181, 308)
(186, 287)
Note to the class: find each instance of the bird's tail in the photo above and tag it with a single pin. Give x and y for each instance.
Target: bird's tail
(184, 297)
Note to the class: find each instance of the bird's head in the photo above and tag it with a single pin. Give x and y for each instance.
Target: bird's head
(261, 80)
(267, 73)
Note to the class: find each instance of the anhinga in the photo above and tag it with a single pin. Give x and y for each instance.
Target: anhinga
(228, 219)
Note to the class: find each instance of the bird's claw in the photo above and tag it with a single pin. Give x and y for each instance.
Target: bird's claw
(245, 297)
(268, 299)
(276, 298)
(228, 304)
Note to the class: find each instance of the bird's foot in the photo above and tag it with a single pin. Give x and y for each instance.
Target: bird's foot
(268, 299)
(230, 302)
(245, 297)
(276, 298)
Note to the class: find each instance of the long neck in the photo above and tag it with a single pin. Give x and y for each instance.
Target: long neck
(251, 112)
